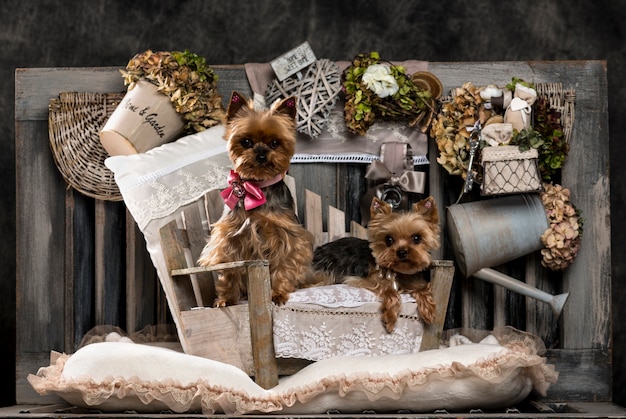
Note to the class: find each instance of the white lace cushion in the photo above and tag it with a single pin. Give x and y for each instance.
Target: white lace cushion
(159, 182)
(121, 376)
(322, 322)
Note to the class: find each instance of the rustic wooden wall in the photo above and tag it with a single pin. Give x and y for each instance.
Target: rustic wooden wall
(107, 33)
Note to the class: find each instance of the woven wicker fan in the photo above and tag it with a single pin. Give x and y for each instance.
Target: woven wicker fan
(74, 122)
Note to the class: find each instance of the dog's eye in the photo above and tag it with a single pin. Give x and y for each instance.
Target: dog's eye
(274, 144)
(246, 143)
(389, 241)
(417, 239)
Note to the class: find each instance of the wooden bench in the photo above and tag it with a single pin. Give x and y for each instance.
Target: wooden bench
(192, 287)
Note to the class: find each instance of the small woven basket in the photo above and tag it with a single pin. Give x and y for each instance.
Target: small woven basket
(563, 101)
(74, 124)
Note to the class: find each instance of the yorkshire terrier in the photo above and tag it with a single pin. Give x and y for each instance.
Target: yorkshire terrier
(390, 261)
(261, 222)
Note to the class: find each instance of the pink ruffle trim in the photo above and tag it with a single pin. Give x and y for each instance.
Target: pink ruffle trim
(117, 394)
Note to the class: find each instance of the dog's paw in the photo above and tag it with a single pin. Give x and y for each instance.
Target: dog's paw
(220, 302)
(280, 299)
(389, 321)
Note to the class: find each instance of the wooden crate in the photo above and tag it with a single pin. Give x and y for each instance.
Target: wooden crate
(82, 262)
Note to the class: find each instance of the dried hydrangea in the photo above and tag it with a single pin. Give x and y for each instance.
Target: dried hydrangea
(450, 132)
(186, 78)
(563, 237)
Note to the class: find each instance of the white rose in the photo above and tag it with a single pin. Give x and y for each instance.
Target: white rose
(378, 79)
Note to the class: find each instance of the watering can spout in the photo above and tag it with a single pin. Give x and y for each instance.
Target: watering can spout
(556, 302)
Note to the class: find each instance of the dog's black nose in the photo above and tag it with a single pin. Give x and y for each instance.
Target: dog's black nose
(261, 157)
(402, 253)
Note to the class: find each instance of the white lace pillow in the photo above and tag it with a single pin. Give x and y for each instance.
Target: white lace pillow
(159, 184)
(117, 376)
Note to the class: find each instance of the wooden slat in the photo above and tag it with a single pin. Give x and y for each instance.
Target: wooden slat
(110, 284)
(80, 269)
(357, 230)
(261, 326)
(192, 223)
(335, 224)
(141, 281)
(442, 276)
(313, 217)
(181, 288)
(217, 340)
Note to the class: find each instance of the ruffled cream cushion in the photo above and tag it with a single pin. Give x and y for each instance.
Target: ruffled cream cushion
(120, 376)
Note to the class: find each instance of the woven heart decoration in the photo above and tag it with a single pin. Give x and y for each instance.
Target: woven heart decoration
(317, 93)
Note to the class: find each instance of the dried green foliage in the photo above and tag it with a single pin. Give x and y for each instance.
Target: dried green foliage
(364, 106)
(547, 137)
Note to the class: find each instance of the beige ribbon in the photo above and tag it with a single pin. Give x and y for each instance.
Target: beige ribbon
(408, 180)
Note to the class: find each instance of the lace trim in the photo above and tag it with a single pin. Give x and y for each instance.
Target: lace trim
(339, 295)
(164, 196)
(348, 158)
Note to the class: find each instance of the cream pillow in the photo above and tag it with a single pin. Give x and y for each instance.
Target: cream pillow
(120, 376)
(159, 184)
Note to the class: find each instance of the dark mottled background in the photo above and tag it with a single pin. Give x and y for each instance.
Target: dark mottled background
(61, 33)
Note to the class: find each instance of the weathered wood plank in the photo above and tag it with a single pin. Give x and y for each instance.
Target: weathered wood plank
(442, 275)
(584, 375)
(141, 281)
(336, 225)
(313, 217)
(40, 247)
(29, 363)
(80, 268)
(110, 263)
(203, 283)
(34, 87)
(261, 327)
(180, 287)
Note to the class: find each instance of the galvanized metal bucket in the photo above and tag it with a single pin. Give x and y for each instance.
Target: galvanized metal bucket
(491, 232)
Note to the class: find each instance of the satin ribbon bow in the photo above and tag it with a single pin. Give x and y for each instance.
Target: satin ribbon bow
(408, 180)
(250, 192)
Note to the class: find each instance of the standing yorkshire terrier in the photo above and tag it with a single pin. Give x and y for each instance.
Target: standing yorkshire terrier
(262, 223)
(390, 261)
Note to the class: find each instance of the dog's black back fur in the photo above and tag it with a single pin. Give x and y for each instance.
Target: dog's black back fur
(347, 256)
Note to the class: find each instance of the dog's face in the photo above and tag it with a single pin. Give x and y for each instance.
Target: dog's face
(260, 143)
(402, 241)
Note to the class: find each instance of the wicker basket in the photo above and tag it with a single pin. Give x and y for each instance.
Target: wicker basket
(74, 123)
(561, 100)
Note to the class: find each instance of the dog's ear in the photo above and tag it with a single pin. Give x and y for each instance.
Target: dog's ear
(237, 101)
(379, 207)
(428, 209)
(287, 106)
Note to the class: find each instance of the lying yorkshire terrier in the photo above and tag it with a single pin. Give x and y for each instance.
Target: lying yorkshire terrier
(262, 223)
(390, 261)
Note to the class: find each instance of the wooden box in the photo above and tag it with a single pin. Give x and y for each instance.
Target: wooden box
(82, 262)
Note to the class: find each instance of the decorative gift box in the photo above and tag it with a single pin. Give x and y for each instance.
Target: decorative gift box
(507, 170)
